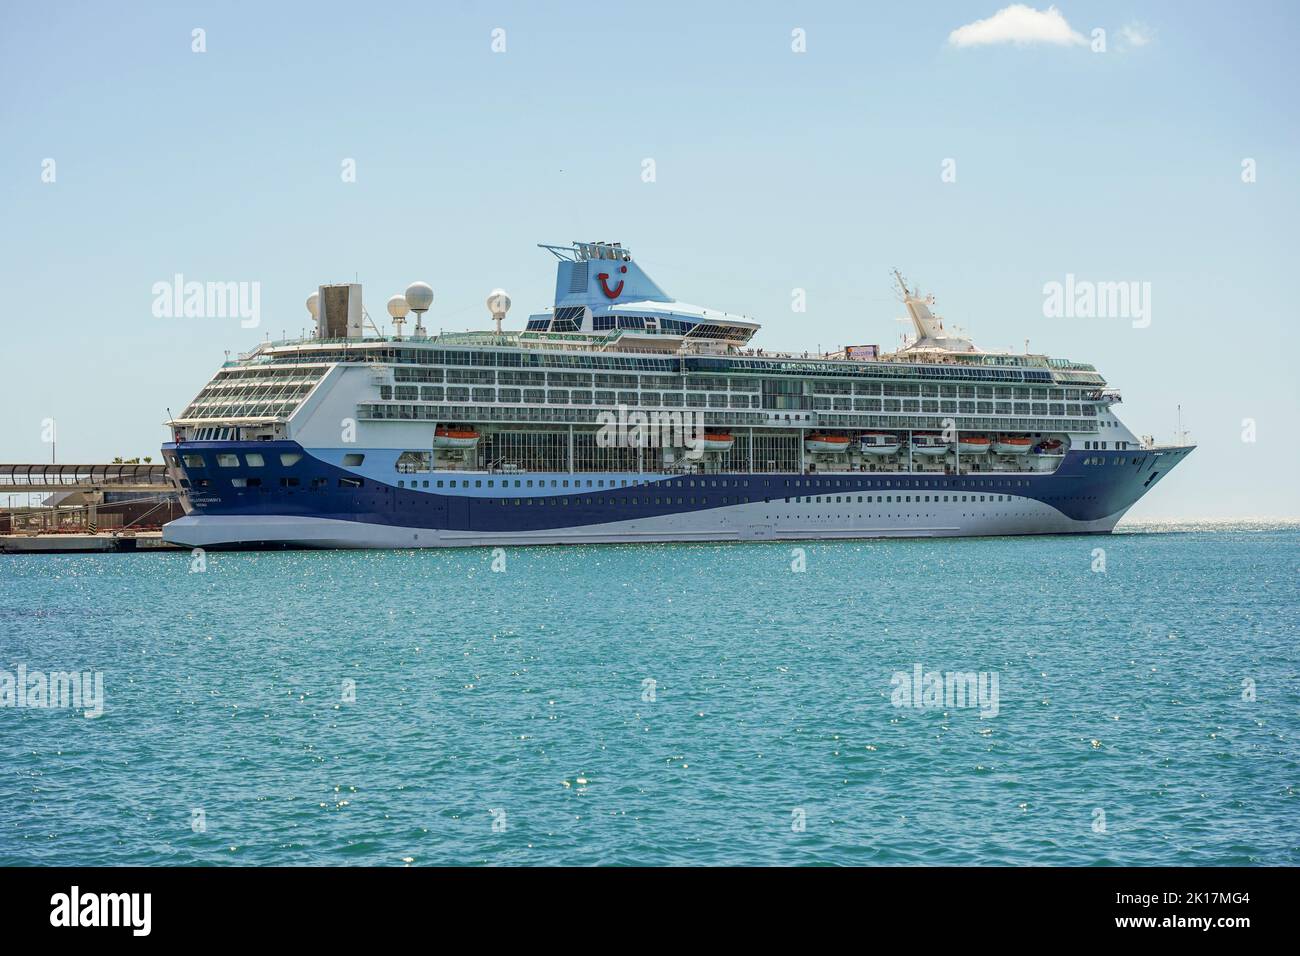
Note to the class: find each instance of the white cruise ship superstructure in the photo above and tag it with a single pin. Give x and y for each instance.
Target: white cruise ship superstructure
(623, 415)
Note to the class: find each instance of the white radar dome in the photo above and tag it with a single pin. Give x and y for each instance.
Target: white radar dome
(397, 307)
(498, 302)
(313, 305)
(419, 296)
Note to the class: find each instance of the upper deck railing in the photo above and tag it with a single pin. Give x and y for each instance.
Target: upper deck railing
(583, 342)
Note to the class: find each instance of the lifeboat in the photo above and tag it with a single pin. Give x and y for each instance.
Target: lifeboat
(820, 444)
(973, 444)
(1051, 446)
(927, 443)
(718, 441)
(1009, 445)
(878, 443)
(444, 437)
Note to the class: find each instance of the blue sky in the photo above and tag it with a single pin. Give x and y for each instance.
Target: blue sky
(774, 170)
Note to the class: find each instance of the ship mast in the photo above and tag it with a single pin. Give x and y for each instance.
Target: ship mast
(930, 332)
(902, 284)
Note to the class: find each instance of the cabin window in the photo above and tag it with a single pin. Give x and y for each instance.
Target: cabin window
(354, 459)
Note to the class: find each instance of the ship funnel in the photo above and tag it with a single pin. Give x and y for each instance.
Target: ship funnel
(600, 274)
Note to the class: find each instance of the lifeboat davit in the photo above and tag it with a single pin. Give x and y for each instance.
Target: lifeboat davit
(827, 444)
(973, 444)
(1051, 446)
(444, 437)
(1009, 445)
(718, 441)
(879, 443)
(928, 444)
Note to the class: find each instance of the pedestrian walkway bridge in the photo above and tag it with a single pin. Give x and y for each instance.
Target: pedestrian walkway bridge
(17, 479)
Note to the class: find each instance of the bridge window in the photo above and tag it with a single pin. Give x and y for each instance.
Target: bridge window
(194, 461)
(253, 460)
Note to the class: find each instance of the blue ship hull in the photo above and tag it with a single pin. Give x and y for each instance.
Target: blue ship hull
(312, 503)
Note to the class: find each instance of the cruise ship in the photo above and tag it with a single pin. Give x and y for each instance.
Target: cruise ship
(620, 414)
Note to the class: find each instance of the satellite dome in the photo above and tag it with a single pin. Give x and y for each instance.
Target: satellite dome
(419, 296)
(313, 305)
(397, 307)
(498, 302)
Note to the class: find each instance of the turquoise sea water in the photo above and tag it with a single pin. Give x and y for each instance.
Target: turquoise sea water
(503, 717)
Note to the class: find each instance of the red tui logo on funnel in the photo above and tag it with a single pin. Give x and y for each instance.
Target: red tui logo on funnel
(604, 285)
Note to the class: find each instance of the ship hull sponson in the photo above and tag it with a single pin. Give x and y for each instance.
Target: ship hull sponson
(752, 522)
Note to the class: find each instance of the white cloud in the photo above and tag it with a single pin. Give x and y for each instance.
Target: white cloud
(1018, 24)
(1136, 34)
